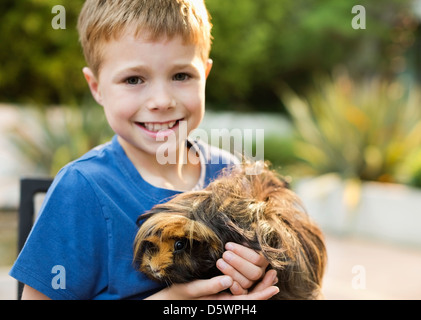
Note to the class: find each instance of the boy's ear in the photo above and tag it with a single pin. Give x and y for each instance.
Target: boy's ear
(93, 84)
(208, 67)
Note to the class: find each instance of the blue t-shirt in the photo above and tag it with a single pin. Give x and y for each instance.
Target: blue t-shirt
(81, 246)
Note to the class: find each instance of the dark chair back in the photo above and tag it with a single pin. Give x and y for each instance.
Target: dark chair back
(29, 187)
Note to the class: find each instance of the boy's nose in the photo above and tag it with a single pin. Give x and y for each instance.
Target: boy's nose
(160, 98)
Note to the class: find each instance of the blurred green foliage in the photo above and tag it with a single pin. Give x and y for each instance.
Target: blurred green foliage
(359, 129)
(256, 45)
(40, 65)
(411, 169)
(259, 43)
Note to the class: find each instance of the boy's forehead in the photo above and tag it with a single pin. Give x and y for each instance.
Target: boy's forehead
(131, 43)
(131, 50)
(146, 37)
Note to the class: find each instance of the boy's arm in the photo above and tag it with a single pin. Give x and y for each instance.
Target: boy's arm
(30, 293)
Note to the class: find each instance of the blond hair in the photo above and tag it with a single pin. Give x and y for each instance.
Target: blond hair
(103, 20)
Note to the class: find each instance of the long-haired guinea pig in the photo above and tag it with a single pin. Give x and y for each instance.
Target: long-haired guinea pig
(181, 240)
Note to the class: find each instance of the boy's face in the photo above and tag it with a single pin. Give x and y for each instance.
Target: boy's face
(146, 86)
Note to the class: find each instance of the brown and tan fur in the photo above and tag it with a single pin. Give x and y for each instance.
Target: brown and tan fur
(181, 240)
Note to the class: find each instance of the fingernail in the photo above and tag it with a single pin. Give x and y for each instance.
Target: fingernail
(221, 264)
(229, 246)
(226, 282)
(228, 256)
(275, 290)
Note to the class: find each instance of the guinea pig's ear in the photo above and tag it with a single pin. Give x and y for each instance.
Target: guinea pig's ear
(143, 217)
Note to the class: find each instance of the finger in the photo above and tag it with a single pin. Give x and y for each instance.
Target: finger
(264, 290)
(203, 288)
(268, 280)
(236, 289)
(244, 269)
(247, 254)
(229, 270)
(264, 294)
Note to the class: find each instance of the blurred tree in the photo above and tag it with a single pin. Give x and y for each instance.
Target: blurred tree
(39, 65)
(259, 43)
(256, 45)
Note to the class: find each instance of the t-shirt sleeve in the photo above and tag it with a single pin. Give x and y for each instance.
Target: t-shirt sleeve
(65, 255)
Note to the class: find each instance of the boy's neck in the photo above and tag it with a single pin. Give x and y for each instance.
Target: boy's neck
(181, 176)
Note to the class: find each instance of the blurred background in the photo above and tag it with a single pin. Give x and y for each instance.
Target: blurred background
(340, 106)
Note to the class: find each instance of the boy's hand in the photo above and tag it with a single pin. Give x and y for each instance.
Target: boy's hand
(263, 290)
(211, 289)
(193, 290)
(244, 265)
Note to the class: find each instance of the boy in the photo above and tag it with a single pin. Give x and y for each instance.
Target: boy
(148, 63)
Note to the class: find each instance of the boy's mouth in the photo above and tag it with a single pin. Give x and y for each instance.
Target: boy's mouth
(158, 126)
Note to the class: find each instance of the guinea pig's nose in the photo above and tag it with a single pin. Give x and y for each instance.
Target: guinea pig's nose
(157, 271)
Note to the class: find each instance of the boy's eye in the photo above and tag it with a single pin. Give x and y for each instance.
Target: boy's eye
(181, 77)
(133, 80)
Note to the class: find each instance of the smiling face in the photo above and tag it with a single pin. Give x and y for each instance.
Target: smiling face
(149, 86)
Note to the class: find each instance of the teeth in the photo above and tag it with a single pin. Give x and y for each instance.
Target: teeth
(155, 127)
(172, 124)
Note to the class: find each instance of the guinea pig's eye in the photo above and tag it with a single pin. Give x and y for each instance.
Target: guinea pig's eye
(179, 245)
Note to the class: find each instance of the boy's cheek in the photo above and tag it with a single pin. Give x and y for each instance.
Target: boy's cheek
(120, 110)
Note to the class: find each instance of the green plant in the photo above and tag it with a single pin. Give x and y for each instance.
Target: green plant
(364, 130)
(411, 169)
(50, 139)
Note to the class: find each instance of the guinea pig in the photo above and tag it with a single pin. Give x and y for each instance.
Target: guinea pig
(181, 240)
